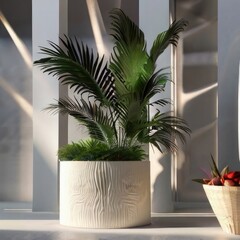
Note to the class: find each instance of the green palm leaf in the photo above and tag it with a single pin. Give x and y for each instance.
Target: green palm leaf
(79, 68)
(170, 126)
(163, 130)
(99, 121)
(129, 57)
(162, 141)
(154, 85)
(125, 31)
(165, 38)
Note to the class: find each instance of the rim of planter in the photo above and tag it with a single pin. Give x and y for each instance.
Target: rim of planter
(233, 188)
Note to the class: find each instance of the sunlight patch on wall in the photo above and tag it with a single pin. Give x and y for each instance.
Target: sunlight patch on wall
(98, 26)
(17, 41)
(21, 101)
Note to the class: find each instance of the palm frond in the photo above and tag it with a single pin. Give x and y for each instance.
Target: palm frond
(129, 56)
(125, 31)
(79, 68)
(172, 124)
(154, 85)
(161, 102)
(164, 129)
(99, 122)
(167, 37)
(163, 141)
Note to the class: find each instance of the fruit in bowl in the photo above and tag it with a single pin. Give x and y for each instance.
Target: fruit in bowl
(221, 178)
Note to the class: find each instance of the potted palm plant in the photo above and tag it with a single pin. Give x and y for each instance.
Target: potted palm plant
(105, 181)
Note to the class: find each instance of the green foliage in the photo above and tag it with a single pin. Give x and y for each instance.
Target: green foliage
(83, 150)
(112, 97)
(93, 150)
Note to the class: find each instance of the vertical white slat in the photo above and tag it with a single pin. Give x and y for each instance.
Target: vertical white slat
(154, 18)
(49, 21)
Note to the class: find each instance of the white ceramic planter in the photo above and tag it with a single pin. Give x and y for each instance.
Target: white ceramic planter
(105, 194)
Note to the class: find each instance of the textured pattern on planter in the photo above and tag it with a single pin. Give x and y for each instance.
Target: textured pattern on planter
(105, 194)
(225, 201)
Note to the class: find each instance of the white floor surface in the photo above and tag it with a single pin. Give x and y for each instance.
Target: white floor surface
(18, 222)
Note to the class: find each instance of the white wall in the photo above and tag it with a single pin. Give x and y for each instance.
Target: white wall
(196, 95)
(228, 66)
(15, 123)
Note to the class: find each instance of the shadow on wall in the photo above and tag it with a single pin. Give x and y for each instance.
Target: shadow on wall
(162, 196)
(44, 176)
(229, 59)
